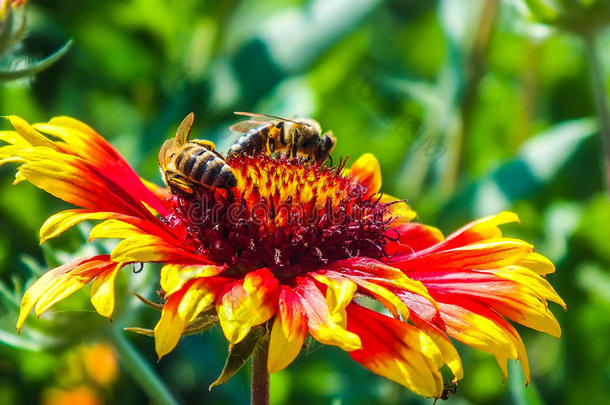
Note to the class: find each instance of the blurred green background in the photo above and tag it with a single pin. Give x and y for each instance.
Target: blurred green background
(471, 108)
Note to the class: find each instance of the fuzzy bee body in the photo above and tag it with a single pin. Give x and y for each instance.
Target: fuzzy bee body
(292, 138)
(260, 139)
(185, 163)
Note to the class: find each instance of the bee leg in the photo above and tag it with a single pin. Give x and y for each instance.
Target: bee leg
(176, 181)
(206, 144)
(270, 145)
(293, 144)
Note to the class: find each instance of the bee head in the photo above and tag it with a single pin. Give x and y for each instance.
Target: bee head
(325, 146)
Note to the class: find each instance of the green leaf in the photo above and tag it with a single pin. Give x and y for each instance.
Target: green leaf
(521, 394)
(202, 323)
(9, 296)
(544, 11)
(595, 280)
(37, 67)
(594, 229)
(295, 38)
(6, 31)
(239, 355)
(538, 163)
(20, 342)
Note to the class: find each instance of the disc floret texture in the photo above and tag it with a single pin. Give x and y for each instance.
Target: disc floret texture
(298, 248)
(285, 216)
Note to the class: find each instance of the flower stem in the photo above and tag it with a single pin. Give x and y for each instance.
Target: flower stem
(140, 370)
(601, 101)
(260, 375)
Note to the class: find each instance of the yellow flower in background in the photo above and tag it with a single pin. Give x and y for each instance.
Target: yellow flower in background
(294, 247)
(100, 363)
(74, 396)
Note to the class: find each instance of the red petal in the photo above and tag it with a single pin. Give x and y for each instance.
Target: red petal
(410, 238)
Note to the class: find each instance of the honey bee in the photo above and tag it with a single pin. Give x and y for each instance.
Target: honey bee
(269, 134)
(185, 163)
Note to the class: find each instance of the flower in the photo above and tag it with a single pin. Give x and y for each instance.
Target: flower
(299, 248)
(81, 395)
(100, 363)
(5, 4)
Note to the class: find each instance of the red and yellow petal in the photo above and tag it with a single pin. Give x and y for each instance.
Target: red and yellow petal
(78, 166)
(288, 331)
(399, 210)
(87, 143)
(326, 317)
(478, 326)
(58, 223)
(199, 296)
(102, 291)
(247, 303)
(486, 254)
(143, 241)
(522, 303)
(398, 351)
(372, 270)
(478, 277)
(482, 229)
(530, 279)
(411, 237)
(181, 308)
(61, 282)
(367, 171)
(536, 263)
(28, 135)
(339, 293)
(382, 294)
(444, 344)
(174, 276)
(170, 327)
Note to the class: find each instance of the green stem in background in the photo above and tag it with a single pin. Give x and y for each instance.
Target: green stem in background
(140, 370)
(260, 375)
(601, 100)
(472, 72)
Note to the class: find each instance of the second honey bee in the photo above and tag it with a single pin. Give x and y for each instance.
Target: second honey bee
(185, 163)
(269, 134)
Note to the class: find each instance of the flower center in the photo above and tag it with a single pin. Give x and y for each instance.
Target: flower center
(285, 215)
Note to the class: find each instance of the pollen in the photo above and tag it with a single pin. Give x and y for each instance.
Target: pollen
(286, 215)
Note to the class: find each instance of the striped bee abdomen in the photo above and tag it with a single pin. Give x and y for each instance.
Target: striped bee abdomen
(253, 142)
(205, 167)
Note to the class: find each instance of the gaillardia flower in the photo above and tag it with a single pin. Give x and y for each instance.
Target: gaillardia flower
(298, 248)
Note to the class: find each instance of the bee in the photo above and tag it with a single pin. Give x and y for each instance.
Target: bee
(185, 163)
(449, 389)
(269, 134)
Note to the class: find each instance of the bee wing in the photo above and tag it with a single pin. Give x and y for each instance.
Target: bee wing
(265, 117)
(245, 126)
(184, 130)
(260, 117)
